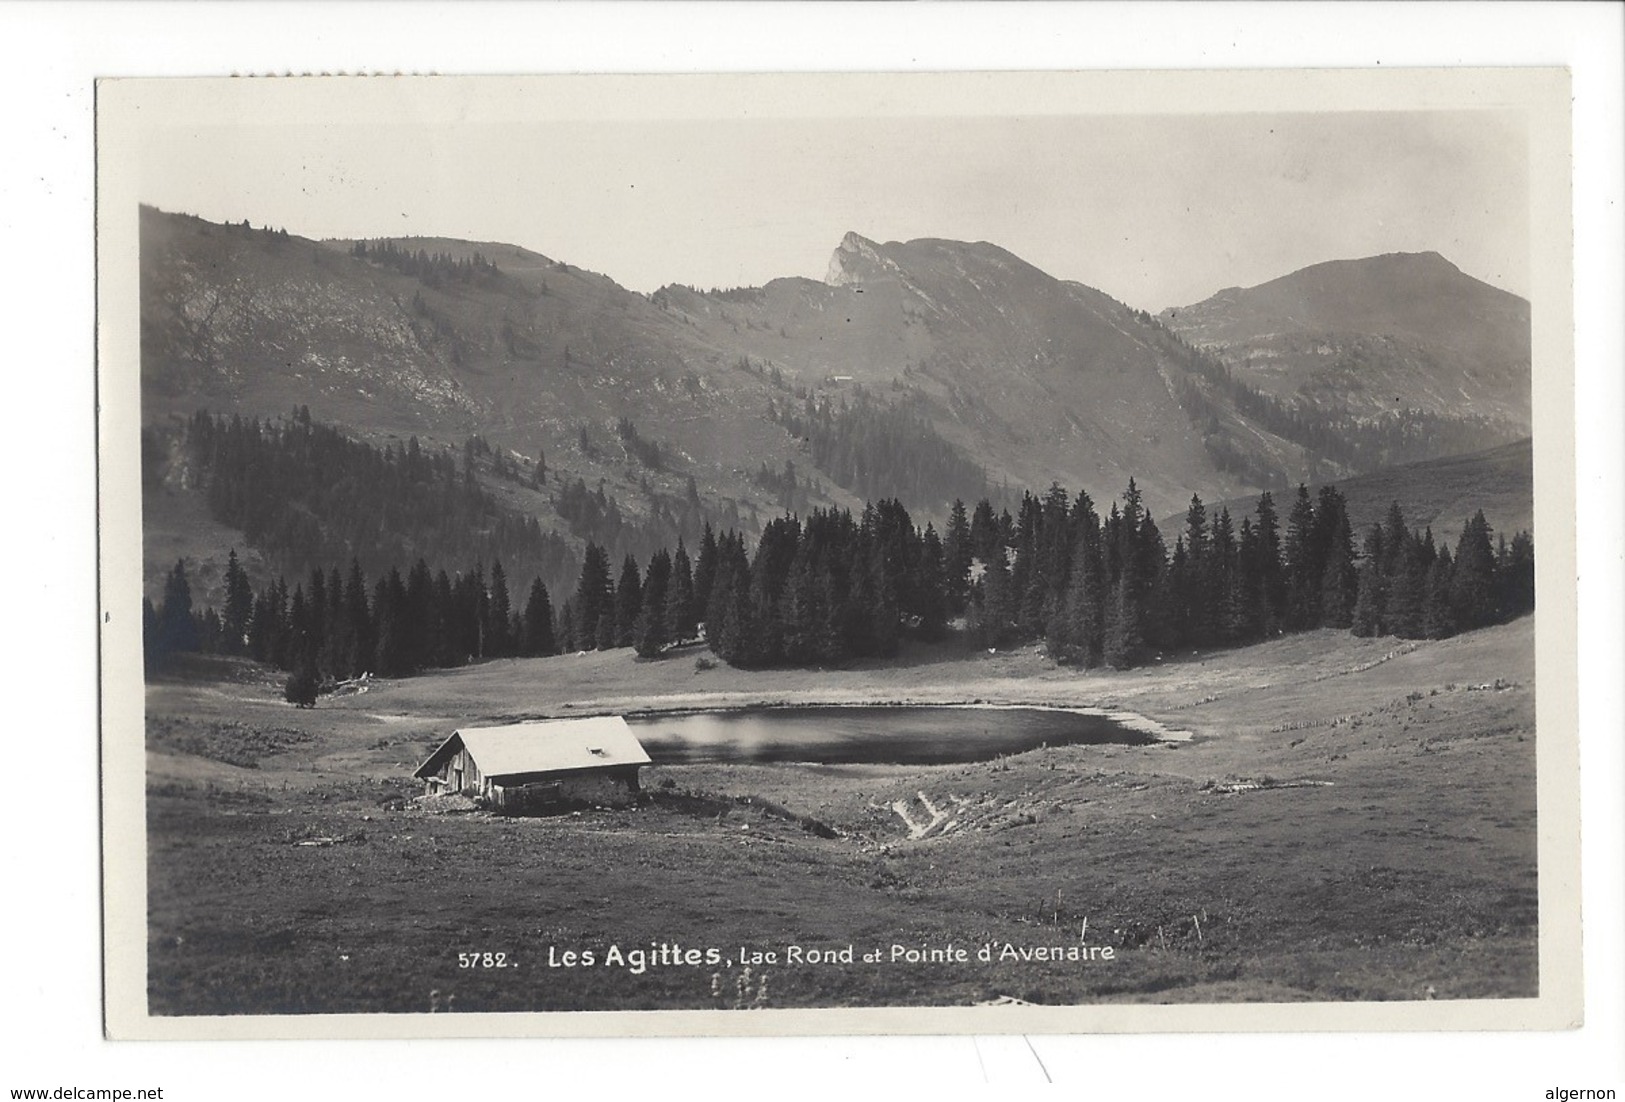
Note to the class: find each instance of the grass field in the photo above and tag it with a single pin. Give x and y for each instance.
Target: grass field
(1351, 819)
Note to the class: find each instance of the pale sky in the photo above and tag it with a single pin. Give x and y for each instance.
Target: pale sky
(1156, 210)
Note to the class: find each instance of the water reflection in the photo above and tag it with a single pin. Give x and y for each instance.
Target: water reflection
(932, 735)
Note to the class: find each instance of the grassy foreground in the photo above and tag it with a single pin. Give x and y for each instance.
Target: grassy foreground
(1352, 819)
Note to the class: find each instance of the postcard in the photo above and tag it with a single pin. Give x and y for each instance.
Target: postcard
(863, 553)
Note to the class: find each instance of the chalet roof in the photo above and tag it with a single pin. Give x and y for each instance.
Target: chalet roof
(547, 746)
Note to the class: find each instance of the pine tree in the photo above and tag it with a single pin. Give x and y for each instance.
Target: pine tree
(1438, 614)
(1079, 637)
(268, 627)
(1334, 549)
(1337, 595)
(1268, 566)
(177, 633)
(283, 654)
(209, 631)
(443, 652)
(992, 620)
(538, 619)
(390, 631)
(877, 597)
(420, 621)
(796, 611)
(1223, 568)
(1518, 577)
(476, 613)
(1395, 537)
(1366, 618)
(359, 622)
(956, 559)
(728, 626)
(931, 588)
(764, 639)
(591, 597)
(650, 635)
(239, 606)
(1181, 594)
(1405, 595)
(1247, 597)
(1201, 590)
(681, 617)
(1304, 570)
(705, 571)
(1054, 556)
(1473, 587)
(985, 533)
(822, 617)
(498, 615)
(1339, 582)
(1196, 534)
(316, 615)
(1123, 639)
(336, 645)
(1144, 558)
(628, 603)
(1026, 588)
(733, 620)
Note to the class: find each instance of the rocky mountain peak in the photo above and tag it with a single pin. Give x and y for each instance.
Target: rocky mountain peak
(857, 260)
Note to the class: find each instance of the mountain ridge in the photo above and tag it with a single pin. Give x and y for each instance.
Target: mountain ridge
(1028, 377)
(1397, 330)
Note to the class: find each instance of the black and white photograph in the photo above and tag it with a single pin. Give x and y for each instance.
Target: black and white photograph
(999, 553)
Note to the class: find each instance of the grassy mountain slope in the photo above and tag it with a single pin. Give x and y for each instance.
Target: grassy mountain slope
(1437, 493)
(1443, 493)
(249, 321)
(1036, 378)
(1025, 378)
(537, 357)
(1403, 330)
(1029, 377)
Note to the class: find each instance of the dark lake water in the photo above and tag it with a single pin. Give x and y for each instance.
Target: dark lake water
(897, 736)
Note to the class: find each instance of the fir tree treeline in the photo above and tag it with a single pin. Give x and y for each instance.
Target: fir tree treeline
(596, 516)
(334, 625)
(641, 448)
(646, 611)
(825, 589)
(1096, 589)
(1412, 588)
(1109, 591)
(880, 450)
(433, 269)
(308, 496)
(794, 494)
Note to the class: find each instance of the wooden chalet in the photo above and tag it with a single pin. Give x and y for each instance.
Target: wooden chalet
(534, 767)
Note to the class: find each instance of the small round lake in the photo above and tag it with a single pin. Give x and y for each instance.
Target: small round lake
(904, 735)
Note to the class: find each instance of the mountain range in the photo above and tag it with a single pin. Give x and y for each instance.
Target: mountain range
(928, 369)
